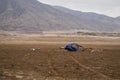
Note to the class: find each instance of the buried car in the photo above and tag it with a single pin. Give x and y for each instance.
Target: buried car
(72, 47)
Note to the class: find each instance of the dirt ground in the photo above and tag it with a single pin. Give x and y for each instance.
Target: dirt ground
(49, 62)
(41, 58)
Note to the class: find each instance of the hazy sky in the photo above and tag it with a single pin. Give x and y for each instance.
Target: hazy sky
(107, 7)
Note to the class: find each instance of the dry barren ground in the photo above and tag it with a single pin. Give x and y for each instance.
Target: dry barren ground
(19, 61)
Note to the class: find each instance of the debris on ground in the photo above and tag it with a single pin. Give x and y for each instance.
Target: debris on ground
(35, 49)
(75, 47)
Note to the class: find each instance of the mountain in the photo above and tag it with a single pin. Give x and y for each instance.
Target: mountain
(99, 22)
(27, 16)
(118, 18)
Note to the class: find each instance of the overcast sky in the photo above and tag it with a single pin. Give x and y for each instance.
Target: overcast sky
(107, 7)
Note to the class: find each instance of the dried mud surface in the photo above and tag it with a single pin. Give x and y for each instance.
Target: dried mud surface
(49, 62)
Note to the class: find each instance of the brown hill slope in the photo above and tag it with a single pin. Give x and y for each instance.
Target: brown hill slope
(33, 16)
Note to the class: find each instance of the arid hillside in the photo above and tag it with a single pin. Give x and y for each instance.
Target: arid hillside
(31, 16)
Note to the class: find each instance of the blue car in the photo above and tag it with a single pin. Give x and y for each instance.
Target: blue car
(72, 47)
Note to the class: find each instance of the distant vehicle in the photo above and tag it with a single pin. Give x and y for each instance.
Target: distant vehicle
(72, 47)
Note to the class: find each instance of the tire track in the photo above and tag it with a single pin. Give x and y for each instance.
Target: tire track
(88, 68)
(53, 70)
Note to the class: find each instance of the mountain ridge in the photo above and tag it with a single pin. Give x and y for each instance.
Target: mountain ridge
(33, 16)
